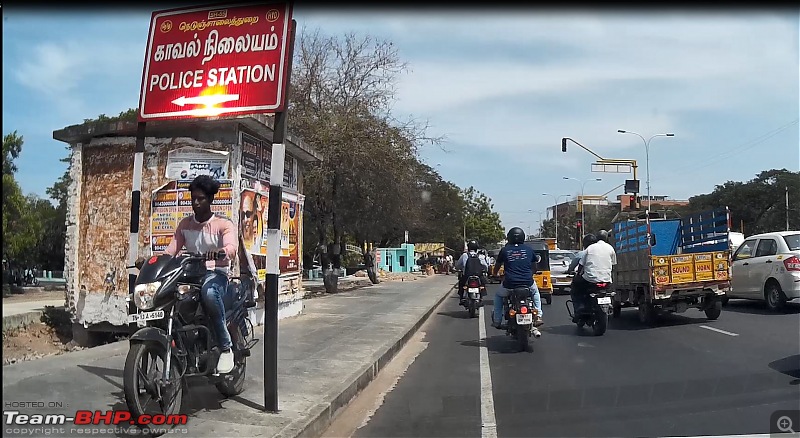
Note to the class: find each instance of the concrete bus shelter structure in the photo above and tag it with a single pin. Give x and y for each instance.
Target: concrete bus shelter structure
(235, 150)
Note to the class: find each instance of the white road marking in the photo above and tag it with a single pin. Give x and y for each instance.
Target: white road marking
(718, 330)
(488, 420)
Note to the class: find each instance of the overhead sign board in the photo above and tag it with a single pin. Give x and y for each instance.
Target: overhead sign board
(611, 168)
(216, 60)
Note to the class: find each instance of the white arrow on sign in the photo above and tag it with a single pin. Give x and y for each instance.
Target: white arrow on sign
(212, 99)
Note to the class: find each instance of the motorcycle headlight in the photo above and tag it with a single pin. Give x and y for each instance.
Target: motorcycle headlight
(144, 295)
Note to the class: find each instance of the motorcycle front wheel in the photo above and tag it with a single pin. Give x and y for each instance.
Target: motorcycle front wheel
(145, 391)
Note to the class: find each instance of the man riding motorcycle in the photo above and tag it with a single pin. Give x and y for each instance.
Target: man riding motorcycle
(207, 233)
(577, 298)
(470, 264)
(595, 266)
(519, 260)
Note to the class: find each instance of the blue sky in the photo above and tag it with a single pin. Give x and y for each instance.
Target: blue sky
(503, 89)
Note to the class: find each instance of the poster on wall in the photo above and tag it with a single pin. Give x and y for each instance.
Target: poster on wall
(172, 202)
(290, 173)
(253, 209)
(189, 162)
(266, 161)
(251, 156)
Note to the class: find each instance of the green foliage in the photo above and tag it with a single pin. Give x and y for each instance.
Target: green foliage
(33, 229)
(127, 115)
(482, 223)
(371, 185)
(12, 146)
(758, 205)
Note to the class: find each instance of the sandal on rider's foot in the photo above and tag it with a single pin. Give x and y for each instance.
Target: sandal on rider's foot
(538, 322)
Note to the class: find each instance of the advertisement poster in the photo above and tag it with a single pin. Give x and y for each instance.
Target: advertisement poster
(172, 202)
(188, 162)
(253, 210)
(251, 156)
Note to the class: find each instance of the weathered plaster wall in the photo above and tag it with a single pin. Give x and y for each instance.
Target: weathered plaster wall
(98, 225)
(104, 197)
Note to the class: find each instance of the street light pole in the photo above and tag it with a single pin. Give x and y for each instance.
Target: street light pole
(583, 198)
(540, 220)
(647, 157)
(555, 211)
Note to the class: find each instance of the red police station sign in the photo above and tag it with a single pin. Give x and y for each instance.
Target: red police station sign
(216, 60)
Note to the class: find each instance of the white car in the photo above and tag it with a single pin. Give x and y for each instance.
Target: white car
(559, 262)
(767, 267)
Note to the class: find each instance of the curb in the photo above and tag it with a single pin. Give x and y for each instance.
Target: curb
(20, 320)
(325, 412)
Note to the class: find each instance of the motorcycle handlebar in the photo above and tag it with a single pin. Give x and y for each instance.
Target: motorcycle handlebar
(194, 256)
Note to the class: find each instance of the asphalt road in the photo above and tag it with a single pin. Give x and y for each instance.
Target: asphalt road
(686, 377)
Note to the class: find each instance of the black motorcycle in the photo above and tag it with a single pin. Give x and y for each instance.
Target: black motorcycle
(176, 339)
(473, 293)
(595, 309)
(519, 313)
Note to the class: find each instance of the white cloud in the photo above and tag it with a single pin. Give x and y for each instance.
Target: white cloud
(67, 73)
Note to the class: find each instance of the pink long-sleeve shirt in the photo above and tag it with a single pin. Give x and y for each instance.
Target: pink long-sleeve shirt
(216, 233)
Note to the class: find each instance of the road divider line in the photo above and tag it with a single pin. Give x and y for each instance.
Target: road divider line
(718, 330)
(488, 420)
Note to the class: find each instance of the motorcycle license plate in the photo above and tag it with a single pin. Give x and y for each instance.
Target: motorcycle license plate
(604, 300)
(524, 319)
(473, 290)
(145, 316)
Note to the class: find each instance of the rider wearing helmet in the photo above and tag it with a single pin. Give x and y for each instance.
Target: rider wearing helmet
(596, 264)
(471, 264)
(519, 260)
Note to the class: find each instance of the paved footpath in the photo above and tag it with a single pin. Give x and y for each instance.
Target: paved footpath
(325, 357)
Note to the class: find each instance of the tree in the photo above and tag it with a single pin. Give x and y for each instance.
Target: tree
(12, 146)
(481, 222)
(758, 205)
(340, 101)
(15, 231)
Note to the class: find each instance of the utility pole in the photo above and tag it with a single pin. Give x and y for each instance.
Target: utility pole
(787, 208)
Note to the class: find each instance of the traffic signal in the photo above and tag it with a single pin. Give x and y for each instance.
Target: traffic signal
(578, 224)
(564, 144)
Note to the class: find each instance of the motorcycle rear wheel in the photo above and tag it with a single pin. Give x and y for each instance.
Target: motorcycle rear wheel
(233, 383)
(600, 323)
(522, 339)
(472, 308)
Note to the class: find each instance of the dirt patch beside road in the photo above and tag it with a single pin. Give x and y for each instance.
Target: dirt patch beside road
(49, 337)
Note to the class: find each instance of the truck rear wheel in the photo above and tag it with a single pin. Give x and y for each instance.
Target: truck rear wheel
(647, 314)
(714, 310)
(616, 309)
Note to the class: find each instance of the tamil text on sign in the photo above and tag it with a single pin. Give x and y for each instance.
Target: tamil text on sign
(210, 61)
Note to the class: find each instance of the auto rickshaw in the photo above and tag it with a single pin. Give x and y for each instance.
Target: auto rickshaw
(542, 273)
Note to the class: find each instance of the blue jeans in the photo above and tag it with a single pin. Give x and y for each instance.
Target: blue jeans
(504, 293)
(215, 286)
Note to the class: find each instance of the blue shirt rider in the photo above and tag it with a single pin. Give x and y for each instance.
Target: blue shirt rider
(519, 260)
